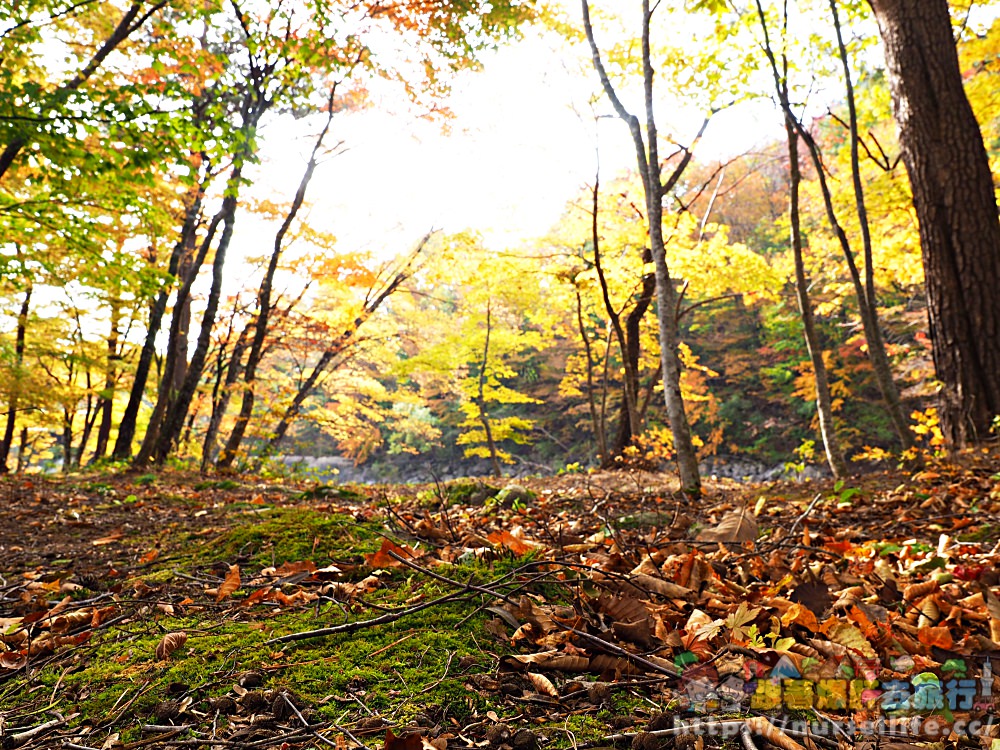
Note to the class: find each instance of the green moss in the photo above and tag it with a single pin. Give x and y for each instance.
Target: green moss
(271, 536)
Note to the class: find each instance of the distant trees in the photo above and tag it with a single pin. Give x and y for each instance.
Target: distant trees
(125, 174)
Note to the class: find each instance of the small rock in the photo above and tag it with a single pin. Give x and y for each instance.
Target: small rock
(251, 680)
(497, 734)
(524, 739)
(167, 710)
(223, 704)
(660, 721)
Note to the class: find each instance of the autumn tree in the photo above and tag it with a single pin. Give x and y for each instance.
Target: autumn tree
(953, 193)
(649, 166)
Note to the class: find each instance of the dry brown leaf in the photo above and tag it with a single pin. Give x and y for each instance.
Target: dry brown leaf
(638, 632)
(170, 643)
(661, 587)
(13, 659)
(229, 585)
(293, 568)
(543, 684)
(738, 526)
(549, 660)
(916, 590)
(111, 538)
(406, 742)
(849, 636)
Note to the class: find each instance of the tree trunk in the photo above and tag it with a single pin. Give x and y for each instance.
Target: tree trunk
(173, 422)
(956, 207)
(480, 400)
(648, 161)
(629, 427)
(185, 244)
(264, 300)
(867, 297)
(793, 130)
(628, 418)
(824, 403)
(596, 420)
(166, 392)
(19, 345)
(107, 403)
(221, 394)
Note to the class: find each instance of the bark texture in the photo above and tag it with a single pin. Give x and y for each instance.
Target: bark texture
(953, 194)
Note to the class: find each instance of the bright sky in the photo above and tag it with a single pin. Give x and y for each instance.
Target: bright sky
(521, 145)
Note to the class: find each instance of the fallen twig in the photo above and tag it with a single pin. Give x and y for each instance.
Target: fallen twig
(16, 740)
(351, 627)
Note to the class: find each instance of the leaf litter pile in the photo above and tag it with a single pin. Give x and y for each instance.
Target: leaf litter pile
(587, 610)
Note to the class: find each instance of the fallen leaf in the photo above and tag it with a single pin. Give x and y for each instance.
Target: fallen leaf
(382, 559)
(511, 542)
(738, 526)
(111, 538)
(229, 585)
(170, 643)
(543, 684)
(940, 637)
(13, 659)
(760, 725)
(799, 615)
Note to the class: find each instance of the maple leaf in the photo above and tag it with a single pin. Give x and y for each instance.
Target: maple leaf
(739, 621)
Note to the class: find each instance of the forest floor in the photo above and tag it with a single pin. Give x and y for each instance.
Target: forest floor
(579, 611)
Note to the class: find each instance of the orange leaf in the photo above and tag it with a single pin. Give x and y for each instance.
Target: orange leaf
(800, 616)
(229, 585)
(840, 547)
(149, 556)
(257, 596)
(381, 559)
(406, 742)
(511, 542)
(940, 637)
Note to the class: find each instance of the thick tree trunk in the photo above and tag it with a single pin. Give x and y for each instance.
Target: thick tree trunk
(953, 194)
(173, 422)
(166, 393)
